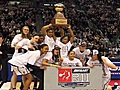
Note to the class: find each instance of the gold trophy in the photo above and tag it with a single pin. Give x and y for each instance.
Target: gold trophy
(59, 18)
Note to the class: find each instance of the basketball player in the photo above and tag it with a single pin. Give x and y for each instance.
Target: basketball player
(31, 57)
(19, 43)
(65, 43)
(106, 64)
(82, 52)
(24, 34)
(71, 61)
(49, 35)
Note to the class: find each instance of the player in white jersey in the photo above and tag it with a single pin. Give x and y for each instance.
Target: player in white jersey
(54, 55)
(71, 61)
(49, 35)
(34, 44)
(19, 37)
(106, 65)
(21, 47)
(41, 39)
(65, 43)
(46, 60)
(30, 57)
(81, 52)
(37, 58)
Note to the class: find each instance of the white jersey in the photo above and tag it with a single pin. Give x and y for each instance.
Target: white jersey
(107, 72)
(47, 56)
(92, 62)
(53, 60)
(29, 57)
(50, 42)
(64, 48)
(106, 69)
(71, 63)
(24, 44)
(16, 39)
(81, 54)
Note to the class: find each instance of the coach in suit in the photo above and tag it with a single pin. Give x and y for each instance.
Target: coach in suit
(3, 60)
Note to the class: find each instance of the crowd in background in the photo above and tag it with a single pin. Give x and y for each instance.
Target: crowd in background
(94, 21)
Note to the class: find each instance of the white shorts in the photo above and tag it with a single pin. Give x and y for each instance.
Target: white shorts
(20, 70)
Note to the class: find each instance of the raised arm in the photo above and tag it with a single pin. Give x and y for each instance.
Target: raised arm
(54, 37)
(71, 34)
(44, 28)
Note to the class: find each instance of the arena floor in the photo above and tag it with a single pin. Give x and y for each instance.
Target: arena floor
(6, 86)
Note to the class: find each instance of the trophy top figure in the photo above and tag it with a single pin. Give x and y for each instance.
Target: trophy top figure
(59, 18)
(59, 7)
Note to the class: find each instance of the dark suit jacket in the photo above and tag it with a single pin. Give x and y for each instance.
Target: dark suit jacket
(4, 50)
(3, 62)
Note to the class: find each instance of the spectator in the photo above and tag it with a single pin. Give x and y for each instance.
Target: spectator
(3, 60)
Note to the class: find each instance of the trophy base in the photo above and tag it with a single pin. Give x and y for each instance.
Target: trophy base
(59, 22)
(60, 25)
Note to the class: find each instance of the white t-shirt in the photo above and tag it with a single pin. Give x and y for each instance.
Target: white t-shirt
(64, 48)
(47, 56)
(16, 39)
(81, 54)
(29, 57)
(92, 62)
(24, 44)
(106, 69)
(50, 42)
(71, 63)
(53, 59)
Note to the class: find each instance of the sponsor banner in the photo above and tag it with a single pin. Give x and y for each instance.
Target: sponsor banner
(74, 77)
(115, 74)
(69, 78)
(112, 82)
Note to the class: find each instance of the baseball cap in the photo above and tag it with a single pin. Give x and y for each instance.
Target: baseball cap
(95, 52)
(56, 47)
(83, 44)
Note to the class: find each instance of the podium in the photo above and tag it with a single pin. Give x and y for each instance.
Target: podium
(73, 78)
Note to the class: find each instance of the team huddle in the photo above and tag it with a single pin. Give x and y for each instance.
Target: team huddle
(34, 53)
